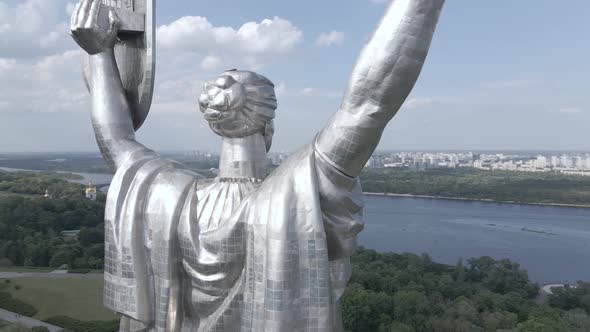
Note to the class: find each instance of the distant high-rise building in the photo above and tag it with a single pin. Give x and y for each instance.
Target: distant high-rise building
(566, 161)
(433, 161)
(541, 162)
(376, 161)
(454, 161)
(578, 162)
(403, 157)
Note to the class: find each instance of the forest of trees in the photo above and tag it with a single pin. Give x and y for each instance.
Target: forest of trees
(410, 293)
(472, 183)
(30, 224)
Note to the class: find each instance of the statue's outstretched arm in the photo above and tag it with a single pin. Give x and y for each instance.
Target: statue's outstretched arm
(382, 78)
(111, 116)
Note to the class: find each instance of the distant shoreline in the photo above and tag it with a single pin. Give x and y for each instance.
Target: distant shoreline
(484, 200)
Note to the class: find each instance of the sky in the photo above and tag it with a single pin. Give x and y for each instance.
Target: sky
(501, 75)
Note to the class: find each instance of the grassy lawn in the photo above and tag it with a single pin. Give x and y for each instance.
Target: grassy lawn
(76, 298)
(5, 327)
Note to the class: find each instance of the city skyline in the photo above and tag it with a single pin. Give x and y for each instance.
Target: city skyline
(565, 163)
(498, 77)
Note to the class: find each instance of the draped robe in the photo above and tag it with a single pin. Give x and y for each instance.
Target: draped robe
(189, 254)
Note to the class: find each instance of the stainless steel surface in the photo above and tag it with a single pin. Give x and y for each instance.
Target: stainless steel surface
(240, 103)
(381, 80)
(131, 21)
(134, 51)
(244, 252)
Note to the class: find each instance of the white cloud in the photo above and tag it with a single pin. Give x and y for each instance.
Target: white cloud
(70, 6)
(281, 89)
(415, 103)
(211, 62)
(254, 44)
(48, 84)
(41, 76)
(309, 92)
(330, 38)
(53, 38)
(570, 110)
(32, 28)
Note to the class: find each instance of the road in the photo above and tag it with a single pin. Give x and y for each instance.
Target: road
(27, 321)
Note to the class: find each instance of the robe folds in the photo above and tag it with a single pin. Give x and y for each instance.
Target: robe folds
(278, 261)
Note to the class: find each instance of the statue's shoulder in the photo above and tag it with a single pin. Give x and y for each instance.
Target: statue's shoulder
(203, 184)
(147, 173)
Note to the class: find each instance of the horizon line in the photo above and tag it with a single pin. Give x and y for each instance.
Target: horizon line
(289, 151)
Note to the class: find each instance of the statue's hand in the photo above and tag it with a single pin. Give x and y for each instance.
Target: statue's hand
(87, 32)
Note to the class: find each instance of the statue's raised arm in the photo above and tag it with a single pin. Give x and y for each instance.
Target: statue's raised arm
(382, 79)
(95, 28)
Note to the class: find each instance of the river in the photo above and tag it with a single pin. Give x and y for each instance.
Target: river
(551, 243)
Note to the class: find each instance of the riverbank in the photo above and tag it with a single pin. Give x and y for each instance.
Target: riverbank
(99, 179)
(103, 179)
(484, 200)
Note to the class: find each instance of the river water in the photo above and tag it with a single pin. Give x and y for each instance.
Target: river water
(551, 243)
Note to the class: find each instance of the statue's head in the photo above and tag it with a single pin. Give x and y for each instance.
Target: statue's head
(239, 104)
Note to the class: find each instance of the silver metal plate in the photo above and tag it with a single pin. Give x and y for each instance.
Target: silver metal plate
(131, 22)
(134, 52)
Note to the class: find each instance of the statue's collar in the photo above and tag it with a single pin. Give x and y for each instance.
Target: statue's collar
(238, 180)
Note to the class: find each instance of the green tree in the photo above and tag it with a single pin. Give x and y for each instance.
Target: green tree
(90, 236)
(62, 257)
(544, 319)
(12, 250)
(412, 308)
(365, 310)
(577, 320)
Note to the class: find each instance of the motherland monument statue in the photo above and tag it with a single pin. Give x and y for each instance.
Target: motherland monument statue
(245, 251)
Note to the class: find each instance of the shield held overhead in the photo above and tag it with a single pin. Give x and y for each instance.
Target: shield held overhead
(134, 52)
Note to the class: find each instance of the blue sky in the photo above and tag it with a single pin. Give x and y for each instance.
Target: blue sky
(501, 74)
